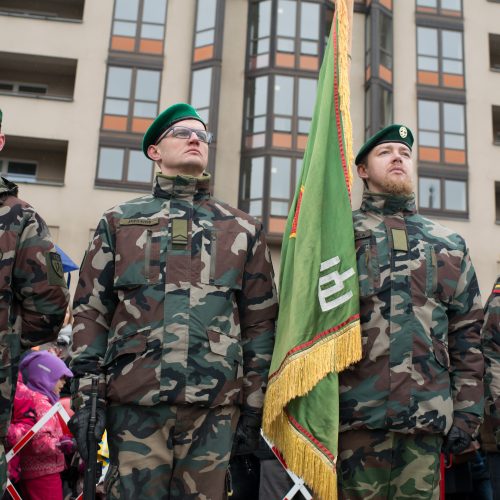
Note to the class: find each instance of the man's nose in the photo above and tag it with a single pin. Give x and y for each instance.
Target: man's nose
(196, 138)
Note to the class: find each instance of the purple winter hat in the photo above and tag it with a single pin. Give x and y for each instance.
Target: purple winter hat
(41, 370)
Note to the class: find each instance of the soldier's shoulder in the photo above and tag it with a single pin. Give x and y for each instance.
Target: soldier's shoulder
(434, 231)
(126, 208)
(229, 212)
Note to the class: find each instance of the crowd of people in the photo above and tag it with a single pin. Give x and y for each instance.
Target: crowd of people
(174, 322)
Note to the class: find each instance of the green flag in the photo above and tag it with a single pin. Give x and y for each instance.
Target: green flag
(318, 332)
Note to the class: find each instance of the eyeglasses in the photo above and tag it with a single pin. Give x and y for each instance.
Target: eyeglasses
(185, 133)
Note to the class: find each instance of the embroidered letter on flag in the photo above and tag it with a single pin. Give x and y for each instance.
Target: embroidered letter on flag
(318, 332)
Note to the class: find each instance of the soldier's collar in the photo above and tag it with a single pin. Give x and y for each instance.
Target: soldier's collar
(387, 204)
(180, 185)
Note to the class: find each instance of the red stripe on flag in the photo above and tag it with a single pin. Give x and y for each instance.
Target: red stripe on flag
(293, 232)
(23, 441)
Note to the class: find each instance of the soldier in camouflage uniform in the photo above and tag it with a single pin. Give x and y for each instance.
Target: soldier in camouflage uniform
(175, 311)
(419, 383)
(490, 430)
(33, 290)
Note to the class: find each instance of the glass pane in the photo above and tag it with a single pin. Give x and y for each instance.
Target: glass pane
(452, 44)
(152, 31)
(451, 5)
(298, 170)
(201, 87)
(204, 38)
(304, 126)
(309, 48)
(283, 124)
(118, 82)
(260, 96)
(116, 107)
(154, 11)
(205, 17)
(309, 21)
(286, 45)
(307, 96)
(428, 139)
(453, 67)
(427, 41)
(255, 208)
(283, 95)
(110, 164)
(287, 11)
(281, 169)
(145, 109)
(147, 85)
(454, 118)
(427, 3)
(204, 115)
(140, 169)
(454, 141)
(256, 178)
(455, 195)
(126, 9)
(386, 107)
(279, 208)
(428, 115)
(427, 63)
(429, 194)
(124, 28)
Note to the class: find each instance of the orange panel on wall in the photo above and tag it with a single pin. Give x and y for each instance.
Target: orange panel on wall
(111, 122)
(309, 62)
(455, 81)
(141, 124)
(282, 140)
(428, 78)
(428, 154)
(454, 156)
(277, 225)
(125, 43)
(385, 73)
(151, 46)
(301, 141)
(203, 53)
(386, 3)
(286, 60)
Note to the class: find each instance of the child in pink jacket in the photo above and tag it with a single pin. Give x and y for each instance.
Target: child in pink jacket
(42, 459)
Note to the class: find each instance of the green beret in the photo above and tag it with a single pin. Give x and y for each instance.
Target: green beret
(391, 133)
(165, 120)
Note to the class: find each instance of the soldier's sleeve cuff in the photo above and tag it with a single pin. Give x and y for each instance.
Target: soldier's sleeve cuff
(81, 391)
(467, 422)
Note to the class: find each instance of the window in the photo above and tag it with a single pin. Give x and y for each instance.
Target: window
(497, 202)
(444, 195)
(54, 10)
(385, 41)
(496, 124)
(139, 26)
(204, 40)
(23, 88)
(441, 132)
(131, 100)
(442, 7)
(494, 43)
(201, 86)
(125, 167)
(440, 57)
(260, 34)
(19, 170)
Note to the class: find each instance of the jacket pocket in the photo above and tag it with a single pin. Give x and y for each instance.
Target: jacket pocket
(223, 256)
(367, 263)
(441, 353)
(226, 346)
(137, 259)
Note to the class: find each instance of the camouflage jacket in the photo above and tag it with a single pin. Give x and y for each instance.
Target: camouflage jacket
(32, 287)
(421, 315)
(491, 348)
(176, 302)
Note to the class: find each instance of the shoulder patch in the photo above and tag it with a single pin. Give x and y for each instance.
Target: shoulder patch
(496, 288)
(55, 272)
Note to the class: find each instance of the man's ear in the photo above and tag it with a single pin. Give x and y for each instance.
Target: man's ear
(153, 152)
(2, 141)
(362, 171)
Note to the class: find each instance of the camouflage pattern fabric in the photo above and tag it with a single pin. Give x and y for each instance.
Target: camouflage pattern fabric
(165, 451)
(491, 348)
(34, 296)
(378, 464)
(421, 315)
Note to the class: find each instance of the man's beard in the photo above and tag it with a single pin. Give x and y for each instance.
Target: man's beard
(398, 187)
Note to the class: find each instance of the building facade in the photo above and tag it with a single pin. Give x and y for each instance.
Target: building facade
(80, 82)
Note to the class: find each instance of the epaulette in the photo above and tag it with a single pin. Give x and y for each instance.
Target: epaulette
(496, 287)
